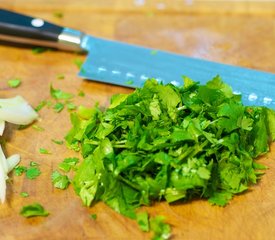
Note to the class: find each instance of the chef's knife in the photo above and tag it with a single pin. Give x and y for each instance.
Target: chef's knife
(129, 65)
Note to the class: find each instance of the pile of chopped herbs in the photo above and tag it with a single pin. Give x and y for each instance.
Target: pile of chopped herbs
(164, 142)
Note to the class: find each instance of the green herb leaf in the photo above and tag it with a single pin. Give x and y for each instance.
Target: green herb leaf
(32, 173)
(161, 229)
(78, 63)
(143, 221)
(37, 128)
(58, 15)
(59, 94)
(68, 164)
(81, 93)
(44, 151)
(24, 194)
(60, 181)
(19, 170)
(40, 105)
(58, 107)
(93, 216)
(60, 76)
(14, 83)
(71, 106)
(33, 210)
(58, 142)
(39, 50)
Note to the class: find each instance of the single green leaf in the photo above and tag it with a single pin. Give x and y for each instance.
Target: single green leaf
(33, 210)
(14, 83)
(143, 221)
(59, 94)
(33, 172)
(78, 63)
(58, 107)
(59, 180)
(24, 194)
(59, 142)
(44, 151)
(38, 128)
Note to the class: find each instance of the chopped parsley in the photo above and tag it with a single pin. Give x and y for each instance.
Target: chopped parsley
(33, 210)
(68, 163)
(39, 50)
(38, 128)
(24, 194)
(71, 106)
(81, 93)
(60, 76)
(59, 94)
(59, 180)
(58, 107)
(164, 142)
(58, 142)
(19, 170)
(143, 221)
(40, 105)
(160, 229)
(78, 63)
(32, 172)
(93, 216)
(14, 83)
(44, 151)
(58, 15)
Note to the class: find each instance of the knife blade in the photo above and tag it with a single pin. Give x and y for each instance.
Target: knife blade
(129, 65)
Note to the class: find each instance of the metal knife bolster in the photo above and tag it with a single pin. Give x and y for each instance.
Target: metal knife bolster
(19, 28)
(71, 40)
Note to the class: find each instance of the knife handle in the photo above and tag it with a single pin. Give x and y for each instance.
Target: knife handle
(19, 28)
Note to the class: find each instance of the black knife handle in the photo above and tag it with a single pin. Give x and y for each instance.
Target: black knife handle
(19, 28)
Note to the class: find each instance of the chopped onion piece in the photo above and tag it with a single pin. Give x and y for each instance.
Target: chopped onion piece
(16, 110)
(13, 161)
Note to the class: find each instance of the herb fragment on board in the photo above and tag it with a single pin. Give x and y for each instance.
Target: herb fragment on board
(33, 172)
(40, 105)
(19, 170)
(81, 93)
(160, 229)
(58, 107)
(178, 133)
(34, 210)
(14, 83)
(59, 180)
(58, 15)
(38, 128)
(44, 151)
(78, 63)
(58, 142)
(39, 50)
(68, 163)
(93, 216)
(60, 76)
(143, 221)
(24, 194)
(71, 106)
(59, 94)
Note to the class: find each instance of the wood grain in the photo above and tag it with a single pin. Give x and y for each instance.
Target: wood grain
(240, 39)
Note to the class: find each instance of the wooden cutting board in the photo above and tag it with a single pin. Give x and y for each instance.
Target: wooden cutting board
(245, 39)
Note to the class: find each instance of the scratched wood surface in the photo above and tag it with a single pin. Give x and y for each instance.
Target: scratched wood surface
(241, 34)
